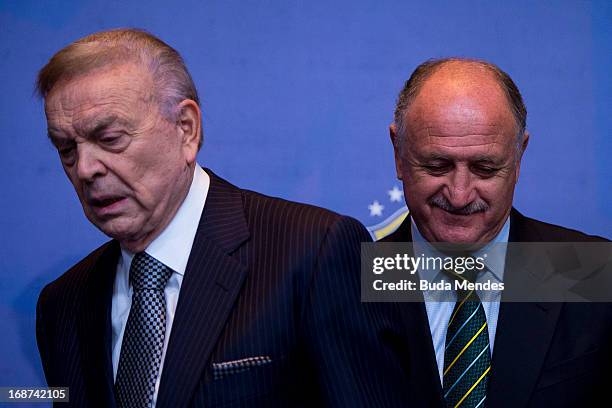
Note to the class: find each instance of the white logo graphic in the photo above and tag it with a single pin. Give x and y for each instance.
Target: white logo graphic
(389, 224)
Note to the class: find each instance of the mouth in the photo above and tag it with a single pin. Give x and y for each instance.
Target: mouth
(104, 201)
(457, 219)
(106, 205)
(460, 213)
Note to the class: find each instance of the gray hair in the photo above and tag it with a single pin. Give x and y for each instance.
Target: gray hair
(173, 83)
(424, 71)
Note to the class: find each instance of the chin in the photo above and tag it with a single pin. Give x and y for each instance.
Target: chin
(457, 236)
(117, 229)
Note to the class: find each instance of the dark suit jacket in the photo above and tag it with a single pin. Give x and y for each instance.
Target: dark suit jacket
(545, 354)
(266, 278)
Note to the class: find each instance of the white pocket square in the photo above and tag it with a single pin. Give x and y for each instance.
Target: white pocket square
(225, 368)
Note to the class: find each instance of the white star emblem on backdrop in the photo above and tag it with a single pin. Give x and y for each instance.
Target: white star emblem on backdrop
(376, 209)
(395, 195)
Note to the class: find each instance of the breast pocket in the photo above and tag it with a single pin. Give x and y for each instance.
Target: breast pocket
(576, 382)
(255, 386)
(569, 369)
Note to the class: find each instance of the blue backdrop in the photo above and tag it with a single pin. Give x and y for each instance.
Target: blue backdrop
(297, 99)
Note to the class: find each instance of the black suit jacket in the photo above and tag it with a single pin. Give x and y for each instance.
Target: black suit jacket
(266, 278)
(545, 354)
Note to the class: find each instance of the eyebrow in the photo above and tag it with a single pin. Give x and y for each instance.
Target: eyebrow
(478, 159)
(51, 132)
(51, 135)
(98, 126)
(102, 124)
(485, 159)
(434, 156)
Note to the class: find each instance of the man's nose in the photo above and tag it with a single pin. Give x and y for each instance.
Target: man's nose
(89, 164)
(460, 190)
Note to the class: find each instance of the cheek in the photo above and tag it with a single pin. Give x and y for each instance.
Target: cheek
(142, 169)
(75, 181)
(152, 181)
(496, 192)
(423, 187)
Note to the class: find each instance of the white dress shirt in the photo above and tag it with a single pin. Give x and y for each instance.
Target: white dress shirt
(439, 313)
(172, 248)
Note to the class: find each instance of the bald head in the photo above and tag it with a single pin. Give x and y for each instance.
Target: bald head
(460, 96)
(457, 77)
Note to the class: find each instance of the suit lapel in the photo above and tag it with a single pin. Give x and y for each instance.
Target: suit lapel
(212, 281)
(94, 337)
(423, 368)
(523, 335)
(524, 331)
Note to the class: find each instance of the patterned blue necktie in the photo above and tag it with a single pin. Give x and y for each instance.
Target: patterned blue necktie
(467, 358)
(143, 339)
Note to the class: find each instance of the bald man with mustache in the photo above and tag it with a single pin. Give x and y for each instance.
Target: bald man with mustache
(459, 134)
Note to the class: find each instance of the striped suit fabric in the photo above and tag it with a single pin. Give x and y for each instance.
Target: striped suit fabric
(546, 354)
(268, 281)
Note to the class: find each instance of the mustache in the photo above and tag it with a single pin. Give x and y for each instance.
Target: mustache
(472, 208)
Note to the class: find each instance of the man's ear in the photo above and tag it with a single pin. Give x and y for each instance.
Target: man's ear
(525, 143)
(522, 148)
(396, 149)
(189, 124)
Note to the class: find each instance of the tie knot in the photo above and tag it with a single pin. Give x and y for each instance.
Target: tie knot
(147, 272)
(467, 269)
(464, 271)
(469, 276)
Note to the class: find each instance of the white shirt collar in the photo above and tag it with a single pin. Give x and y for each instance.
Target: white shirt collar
(173, 246)
(495, 250)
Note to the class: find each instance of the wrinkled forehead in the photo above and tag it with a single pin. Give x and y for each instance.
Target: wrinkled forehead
(473, 143)
(460, 138)
(458, 134)
(124, 83)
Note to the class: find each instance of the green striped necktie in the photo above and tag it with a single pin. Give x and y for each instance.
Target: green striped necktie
(467, 356)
